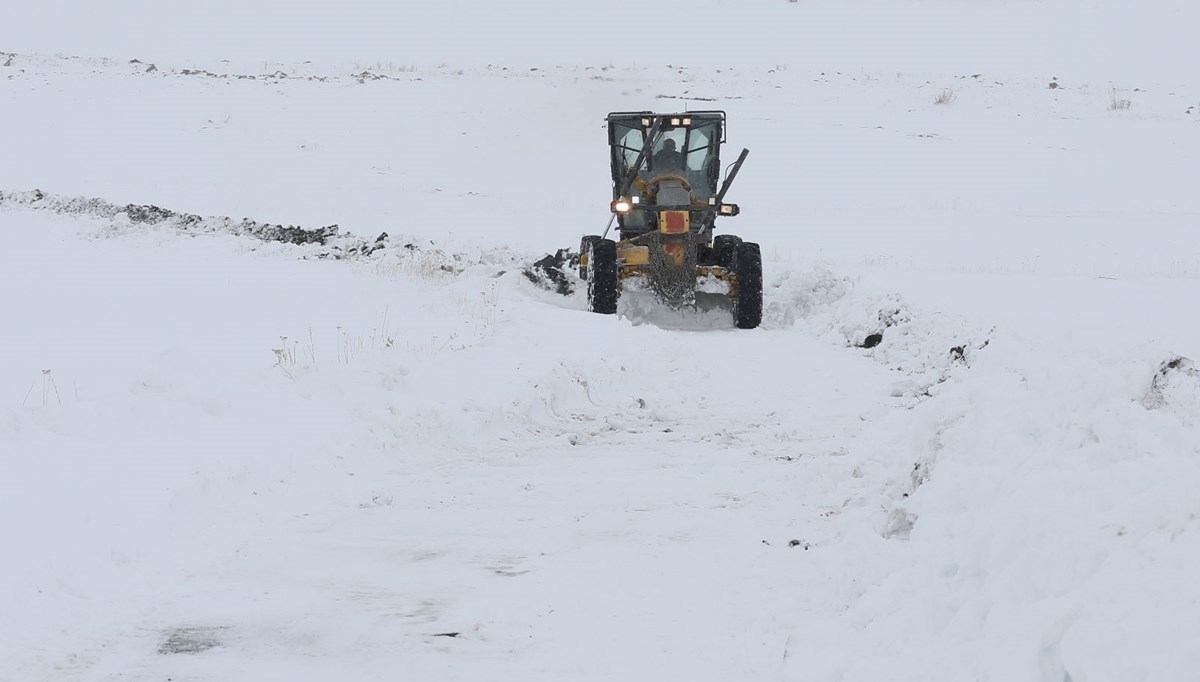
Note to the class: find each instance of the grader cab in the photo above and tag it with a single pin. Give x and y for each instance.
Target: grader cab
(668, 192)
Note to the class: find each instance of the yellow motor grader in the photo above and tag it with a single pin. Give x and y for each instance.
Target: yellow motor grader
(667, 195)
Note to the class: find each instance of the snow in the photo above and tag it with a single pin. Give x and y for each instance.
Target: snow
(223, 458)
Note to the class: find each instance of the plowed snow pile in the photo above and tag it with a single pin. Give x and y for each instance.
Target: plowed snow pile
(279, 401)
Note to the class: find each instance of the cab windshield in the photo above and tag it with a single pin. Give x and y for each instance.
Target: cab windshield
(691, 151)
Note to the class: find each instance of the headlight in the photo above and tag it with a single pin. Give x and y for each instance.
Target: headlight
(637, 200)
(621, 206)
(674, 121)
(729, 209)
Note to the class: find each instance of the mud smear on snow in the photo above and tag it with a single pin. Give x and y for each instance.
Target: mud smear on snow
(698, 98)
(550, 272)
(403, 255)
(191, 640)
(149, 214)
(1175, 388)
(418, 257)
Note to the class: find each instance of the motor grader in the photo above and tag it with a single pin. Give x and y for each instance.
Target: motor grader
(667, 194)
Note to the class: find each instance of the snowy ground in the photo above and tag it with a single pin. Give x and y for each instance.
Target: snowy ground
(223, 458)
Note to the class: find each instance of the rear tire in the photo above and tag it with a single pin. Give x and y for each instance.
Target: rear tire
(604, 286)
(584, 245)
(748, 301)
(724, 247)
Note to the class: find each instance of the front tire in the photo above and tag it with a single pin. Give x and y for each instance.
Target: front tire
(604, 286)
(585, 246)
(748, 300)
(724, 248)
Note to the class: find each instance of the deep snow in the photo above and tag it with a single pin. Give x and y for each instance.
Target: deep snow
(229, 459)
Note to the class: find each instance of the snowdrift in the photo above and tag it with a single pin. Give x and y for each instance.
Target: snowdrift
(349, 436)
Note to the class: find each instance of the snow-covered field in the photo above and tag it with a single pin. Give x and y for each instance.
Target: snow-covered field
(398, 458)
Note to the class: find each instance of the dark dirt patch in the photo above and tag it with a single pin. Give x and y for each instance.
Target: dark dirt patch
(380, 242)
(278, 75)
(291, 234)
(368, 76)
(1170, 372)
(889, 317)
(324, 243)
(149, 214)
(285, 234)
(550, 272)
(190, 640)
(958, 354)
(962, 355)
(871, 341)
(698, 99)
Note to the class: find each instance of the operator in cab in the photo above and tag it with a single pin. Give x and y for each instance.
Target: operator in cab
(668, 158)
